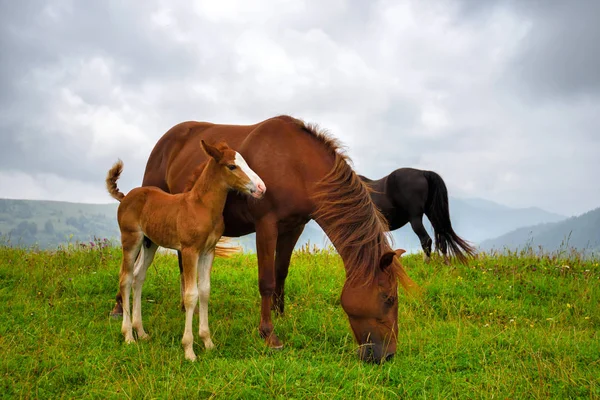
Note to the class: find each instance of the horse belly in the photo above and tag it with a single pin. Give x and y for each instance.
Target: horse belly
(237, 216)
(162, 234)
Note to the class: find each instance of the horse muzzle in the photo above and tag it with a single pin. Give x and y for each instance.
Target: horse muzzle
(373, 353)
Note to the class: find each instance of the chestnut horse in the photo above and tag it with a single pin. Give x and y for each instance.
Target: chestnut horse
(405, 195)
(308, 177)
(191, 222)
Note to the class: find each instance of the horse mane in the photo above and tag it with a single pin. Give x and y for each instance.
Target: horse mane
(198, 170)
(353, 223)
(194, 177)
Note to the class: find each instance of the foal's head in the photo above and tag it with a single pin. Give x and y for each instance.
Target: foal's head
(236, 172)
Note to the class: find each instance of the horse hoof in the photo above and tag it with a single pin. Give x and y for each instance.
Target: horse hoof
(117, 311)
(273, 342)
(116, 315)
(209, 345)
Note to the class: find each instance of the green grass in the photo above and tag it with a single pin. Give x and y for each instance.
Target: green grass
(516, 326)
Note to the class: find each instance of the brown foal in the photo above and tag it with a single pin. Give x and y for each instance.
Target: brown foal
(191, 222)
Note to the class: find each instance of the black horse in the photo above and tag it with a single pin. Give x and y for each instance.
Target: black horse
(405, 195)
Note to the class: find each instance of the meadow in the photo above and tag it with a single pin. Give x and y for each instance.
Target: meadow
(504, 326)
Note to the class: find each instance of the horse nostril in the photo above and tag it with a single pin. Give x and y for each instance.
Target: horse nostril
(389, 357)
(366, 353)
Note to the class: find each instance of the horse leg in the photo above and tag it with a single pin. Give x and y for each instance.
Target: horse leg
(139, 276)
(205, 266)
(283, 254)
(131, 243)
(444, 250)
(181, 283)
(117, 310)
(266, 239)
(417, 225)
(190, 299)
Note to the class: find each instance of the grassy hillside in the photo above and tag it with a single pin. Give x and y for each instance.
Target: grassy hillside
(582, 232)
(49, 223)
(511, 326)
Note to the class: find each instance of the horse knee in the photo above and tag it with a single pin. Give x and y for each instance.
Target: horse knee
(124, 285)
(266, 287)
(190, 298)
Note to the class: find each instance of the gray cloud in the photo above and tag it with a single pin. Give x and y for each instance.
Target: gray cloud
(561, 54)
(500, 97)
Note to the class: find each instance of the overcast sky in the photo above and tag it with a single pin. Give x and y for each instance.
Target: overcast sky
(502, 98)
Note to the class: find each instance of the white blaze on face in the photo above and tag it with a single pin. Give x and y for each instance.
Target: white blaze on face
(254, 178)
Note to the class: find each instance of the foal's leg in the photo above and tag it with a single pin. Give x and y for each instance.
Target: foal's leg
(131, 243)
(139, 275)
(190, 299)
(417, 225)
(283, 255)
(117, 311)
(181, 283)
(204, 267)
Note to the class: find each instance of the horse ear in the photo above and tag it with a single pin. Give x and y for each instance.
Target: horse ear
(212, 151)
(388, 257)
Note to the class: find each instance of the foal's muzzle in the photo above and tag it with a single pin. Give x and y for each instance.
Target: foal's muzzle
(258, 191)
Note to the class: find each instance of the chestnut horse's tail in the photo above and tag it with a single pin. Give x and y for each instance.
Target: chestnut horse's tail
(111, 180)
(226, 251)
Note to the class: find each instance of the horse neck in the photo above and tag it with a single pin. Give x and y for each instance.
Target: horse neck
(210, 188)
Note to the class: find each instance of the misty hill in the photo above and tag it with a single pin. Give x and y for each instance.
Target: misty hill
(478, 219)
(473, 219)
(49, 223)
(582, 232)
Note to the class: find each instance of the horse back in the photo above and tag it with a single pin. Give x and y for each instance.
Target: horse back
(288, 160)
(408, 189)
(169, 148)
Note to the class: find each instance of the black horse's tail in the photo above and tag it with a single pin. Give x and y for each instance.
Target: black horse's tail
(438, 212)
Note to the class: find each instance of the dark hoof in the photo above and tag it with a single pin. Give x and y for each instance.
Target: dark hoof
(116, 315)
(117, 311)
(273, 342)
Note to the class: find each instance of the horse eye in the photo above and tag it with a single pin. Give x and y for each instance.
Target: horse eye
(390, 300)
(232, 167)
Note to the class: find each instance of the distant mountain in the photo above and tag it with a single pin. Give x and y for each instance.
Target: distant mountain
(582, 232)
(478, 219)
(473, 219)
(49, 223)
